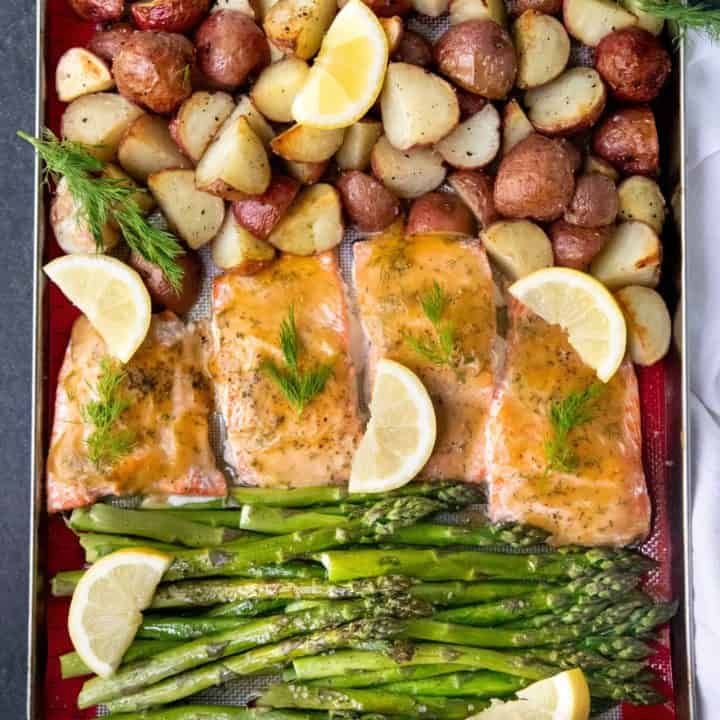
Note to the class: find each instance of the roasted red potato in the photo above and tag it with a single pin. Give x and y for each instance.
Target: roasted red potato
(107, 43)
(469, 103)
(98, 10)
(385, 8)
(478, 55)
(634, 64)
(414, 49)
(594, 203)
(439, 212)
(230, 46)
(574, 246)
(475, 189)
(153, 70)
(260, 213)
(534, 180)
(368, 203)
(175, 16)
(573, 153)
(628, 139)
(518, 7)
(160, 289)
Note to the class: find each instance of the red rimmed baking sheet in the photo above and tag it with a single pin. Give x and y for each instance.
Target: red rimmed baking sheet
(659, 395)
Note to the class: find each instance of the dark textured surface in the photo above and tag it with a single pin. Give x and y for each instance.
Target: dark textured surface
(17, 83)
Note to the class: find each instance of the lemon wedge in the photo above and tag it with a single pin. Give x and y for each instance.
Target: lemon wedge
(348, 73)
(584, 308)
(562, 697)
(112, 296)
(400, 436)
(106, 608)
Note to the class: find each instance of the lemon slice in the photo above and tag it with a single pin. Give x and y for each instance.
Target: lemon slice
(562, 697)
(112, 296)
(106, 608)
(400, 436)
(348, 73)
(584, 308)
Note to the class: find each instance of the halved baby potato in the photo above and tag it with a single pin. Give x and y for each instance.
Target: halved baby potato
(475, 189)
(475, 142)
(354, 153)
(276, 87)
(198, 119)
(462, 10)
(440, 213)
(518, 247)
(641, 199)
(237, 249)
(632, 256)
(408, 174)
(297, 27)
(312, 224)
(542, 47)
(80, 72)
(589, 21)
(574, 101)
(515, 127)
(648, 323)
(301, 143)
(194, 215)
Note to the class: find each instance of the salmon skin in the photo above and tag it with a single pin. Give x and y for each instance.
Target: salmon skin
(268, 441)
(602, 498)
(169, 401)
(392, 275)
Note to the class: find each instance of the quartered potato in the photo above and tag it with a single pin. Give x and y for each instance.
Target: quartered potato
(462, 10)
(194, 215)
(246, 108)
(648, 323)
(198, 119)
(475, 142)
(301, 143)
(594, 203)
(589, 21)
(475, 189)
(354, 153)
(574, 101)
(440, 213)
(312, 224)
(297, 27)
(276, 87)
(515, 126)
(627, 138)
(305, 172)
(368, 203)
(260, 213)
(408, 174)
(418, 108)
(575, 246)
(80, 72)
(542, 46)
(148, 148)
(237, 249)
(518, 247)
(641, 199)
(632, 256)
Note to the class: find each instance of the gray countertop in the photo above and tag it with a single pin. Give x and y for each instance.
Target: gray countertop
(17, 83)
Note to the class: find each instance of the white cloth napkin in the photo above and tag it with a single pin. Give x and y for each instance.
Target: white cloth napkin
(703, 352)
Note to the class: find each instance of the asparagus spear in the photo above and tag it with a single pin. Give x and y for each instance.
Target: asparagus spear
(64, 583)
(229, 668)
(624, 648)
(381, 677)
(218, 712)
(632, 692)
(373, 701)
(187, 628)
(101, 518)
(246, 608)
(97, 545)
(569, 657)
(480, 536)
(477, 684)
(476, 565)
(461, 593)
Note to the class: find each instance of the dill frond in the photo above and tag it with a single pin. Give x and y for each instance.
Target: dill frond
(441, 349)
(698, 16)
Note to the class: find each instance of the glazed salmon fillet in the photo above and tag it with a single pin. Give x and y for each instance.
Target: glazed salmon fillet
(601, 497)
(392, 275)
(268, 441)
(168, 402)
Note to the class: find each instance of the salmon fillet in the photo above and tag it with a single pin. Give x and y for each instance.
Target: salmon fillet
(268, 442)
(604, 499)
(392, 274)
(169, 400)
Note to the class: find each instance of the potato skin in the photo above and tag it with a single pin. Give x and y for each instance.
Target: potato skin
(168, 15)
(260, 213)
(107, 43)
(479, 56)
(575, 246)
(229, 47)
(469, 103)
(98, 10)
(628, 139)
(151, 69)
(535, 180)
(594, 203)
(414, 49)
(518, 7)
(161, 292)
(388, 8)
(573, 152)
(438, 212)
(634, 64)
(368, 203)
(475, 189)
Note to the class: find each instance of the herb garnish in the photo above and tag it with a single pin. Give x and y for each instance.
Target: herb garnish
(565, 415)
(439, 350)
(106, 443)
(697, 16)
(298, 387)
(100, 198)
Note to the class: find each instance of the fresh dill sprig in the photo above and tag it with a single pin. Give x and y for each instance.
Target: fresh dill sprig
(106, 444)
(565, 415)
(697, 16)
(298, 387)
(441, 348)
(101, 198)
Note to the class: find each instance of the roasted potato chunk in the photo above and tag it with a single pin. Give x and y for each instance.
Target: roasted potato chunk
(197, 121)
(442, 213)
(574, 246)
(368, 203)
(98, 10)
(246, 7)
(246, 108)
(174, 16)
(542, 47)
(276, 87)
(475, 142)
(79, 72)
(640, 198)
(515, 127)
(354, 153)
(259, 214)
(648, 323)
(535, 180)
(297, 27)
(475, 189)
(469, 103)
(518, 7)
(478, 55)
(393, 27)
(305, 172)
(407, 174)
(414, 49)
(107, 43)
(237, 249)
(431, 8)
(517, 247)
(594, 203)
(627, 138)
(595, 164)
(462, 10)
(301, 143)
(589, 21)
(385, 8)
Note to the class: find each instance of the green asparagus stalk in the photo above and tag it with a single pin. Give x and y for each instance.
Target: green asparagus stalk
(480, 536)
(372, 701)
(218, 712)
(222, 671)
(624, 648)
(477, 684)
(101, 518)
(632, 692)
(569, 657)
(461, 593)
(186, 502)
(65, 582)
(246, 608)
(96, 545)
(381, 677)
(186, 628)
